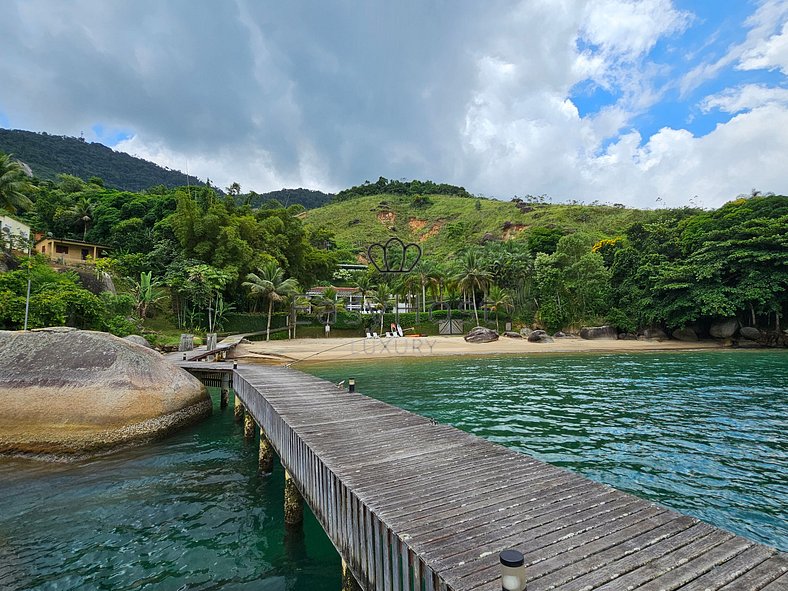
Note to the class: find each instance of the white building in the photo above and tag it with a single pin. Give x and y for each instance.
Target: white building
(14, 235)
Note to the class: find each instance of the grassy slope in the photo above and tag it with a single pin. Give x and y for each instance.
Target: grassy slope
(451, 223)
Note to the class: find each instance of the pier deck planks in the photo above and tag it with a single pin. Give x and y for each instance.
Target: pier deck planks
(415, 506)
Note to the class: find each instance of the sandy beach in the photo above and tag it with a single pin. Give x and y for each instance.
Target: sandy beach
(344, 349)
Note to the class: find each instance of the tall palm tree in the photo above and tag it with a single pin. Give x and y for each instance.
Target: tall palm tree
(328, 303)
(14, 185)
(82, 211)
(269, 283)
(382, 297)
(499, 299)
(472, 277)
(364, 285)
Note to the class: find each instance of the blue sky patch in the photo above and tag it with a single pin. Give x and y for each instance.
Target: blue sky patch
(110, 136)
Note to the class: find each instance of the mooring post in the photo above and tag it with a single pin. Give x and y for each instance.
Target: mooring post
(265, 459)
(294, 502)
(225, 390)
(248, 425)
(349, 582)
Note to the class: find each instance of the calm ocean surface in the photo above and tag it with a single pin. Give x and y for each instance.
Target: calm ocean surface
(704, 433)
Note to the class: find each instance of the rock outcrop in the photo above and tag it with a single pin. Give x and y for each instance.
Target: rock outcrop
(751, 333)
(655, 333)
(540, 336)
(480, 334)
(685, 334)
(137, 340)
(598, 332)
(526, 332)
(724, 329)
(75, 392)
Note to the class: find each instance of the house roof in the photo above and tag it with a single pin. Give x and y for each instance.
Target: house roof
(74, 242)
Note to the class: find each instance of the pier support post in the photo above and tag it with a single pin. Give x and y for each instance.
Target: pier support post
(225, 396)
(349, 582)
(265, 459)
(238, 411)
(248, 425)
(294, 502)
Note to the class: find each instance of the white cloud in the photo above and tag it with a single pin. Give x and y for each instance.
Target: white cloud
(742, 98)
(768, 54)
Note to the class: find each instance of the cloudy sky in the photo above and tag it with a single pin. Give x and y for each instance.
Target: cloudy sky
(643, 102)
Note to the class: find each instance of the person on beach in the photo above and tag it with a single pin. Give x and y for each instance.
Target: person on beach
(328, 329)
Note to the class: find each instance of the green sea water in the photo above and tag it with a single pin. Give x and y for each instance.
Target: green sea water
(704, 433)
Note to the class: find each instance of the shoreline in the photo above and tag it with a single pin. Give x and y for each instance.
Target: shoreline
(348, 349)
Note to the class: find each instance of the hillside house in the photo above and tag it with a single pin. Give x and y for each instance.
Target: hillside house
(14, 235)
(70, 251)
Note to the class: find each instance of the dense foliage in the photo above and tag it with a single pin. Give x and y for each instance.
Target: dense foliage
(285, 197)
(392, 187)
(50, 155)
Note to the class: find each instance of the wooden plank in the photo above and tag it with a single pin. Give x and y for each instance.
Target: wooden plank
(714, 578)
(760, 576)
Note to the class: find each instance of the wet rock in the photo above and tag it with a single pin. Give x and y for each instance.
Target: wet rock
(598, 332)
(627, 336)
(685, 334)
(75, 392)
(724, 329)
(481, 334)
(512, 334)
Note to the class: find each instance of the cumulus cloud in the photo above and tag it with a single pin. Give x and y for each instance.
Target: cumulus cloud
(330, 94)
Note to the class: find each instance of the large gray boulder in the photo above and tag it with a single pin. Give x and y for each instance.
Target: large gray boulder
(525, 332)
(75, 392)
(598, 332)
(481, 334)
(540, 336)
(512, 334)
(724, 329)
(751, 333)
(655, 334)
(685, 334)
(137, 340)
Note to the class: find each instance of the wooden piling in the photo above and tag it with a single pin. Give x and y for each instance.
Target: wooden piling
(294, 502)
(248, 425)
(225, 396)
(238, 411)
(265, 463)
(349, 582)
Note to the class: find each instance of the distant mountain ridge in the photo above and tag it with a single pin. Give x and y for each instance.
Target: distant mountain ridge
(49, 155)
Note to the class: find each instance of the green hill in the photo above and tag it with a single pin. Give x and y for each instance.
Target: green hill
(49, 155)
(443, 224)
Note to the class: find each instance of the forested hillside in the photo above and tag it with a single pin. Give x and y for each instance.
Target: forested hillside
(50, 155)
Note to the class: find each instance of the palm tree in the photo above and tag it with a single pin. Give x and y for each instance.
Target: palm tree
(382, 296)
(473, 276)
(269, 283)
(328, 303)
(14, 184)
(82, 211)
(499, 299)
(364, 285)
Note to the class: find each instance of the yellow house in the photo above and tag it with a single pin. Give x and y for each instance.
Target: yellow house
(70, 251)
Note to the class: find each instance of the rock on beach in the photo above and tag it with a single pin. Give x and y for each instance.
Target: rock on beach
(66, 392)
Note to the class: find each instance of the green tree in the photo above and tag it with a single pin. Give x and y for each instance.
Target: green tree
(473, 277)
(499, 299)
(15, 185)
(146, 293)
(82, 212)
(269, 283)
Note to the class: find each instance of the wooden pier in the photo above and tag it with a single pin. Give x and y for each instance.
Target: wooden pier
(415, 506)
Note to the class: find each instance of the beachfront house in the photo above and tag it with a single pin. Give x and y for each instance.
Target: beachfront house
(70, 252)
(351, 296)
(14, 234)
